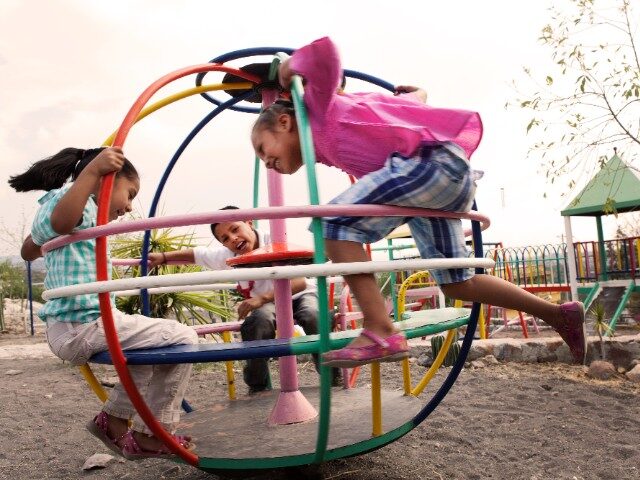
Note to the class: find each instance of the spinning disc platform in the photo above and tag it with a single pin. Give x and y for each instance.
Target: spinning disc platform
(237, 432)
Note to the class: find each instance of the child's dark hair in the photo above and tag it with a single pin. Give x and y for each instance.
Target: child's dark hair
(269, 116)
(214, 225)
(53, 172)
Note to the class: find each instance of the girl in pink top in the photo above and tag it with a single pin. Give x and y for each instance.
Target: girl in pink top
(404, 153)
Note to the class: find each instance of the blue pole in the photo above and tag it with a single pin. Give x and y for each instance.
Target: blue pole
(163, 181)
(30, 290)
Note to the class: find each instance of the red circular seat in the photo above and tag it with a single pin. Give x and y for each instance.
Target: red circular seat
(273, 254)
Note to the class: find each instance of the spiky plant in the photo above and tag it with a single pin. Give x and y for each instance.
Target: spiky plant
(600, 326)
(186, 307)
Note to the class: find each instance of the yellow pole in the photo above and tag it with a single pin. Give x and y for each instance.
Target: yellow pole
(93, 382)
(179, 96)
(483, 325)
(376, 400)
(580, 267)
(231, 380)
(406, 376)
(436, 364)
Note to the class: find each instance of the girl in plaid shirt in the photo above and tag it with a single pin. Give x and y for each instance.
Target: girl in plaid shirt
(74, 328)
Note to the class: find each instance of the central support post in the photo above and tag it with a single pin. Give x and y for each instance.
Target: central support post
(291, 406)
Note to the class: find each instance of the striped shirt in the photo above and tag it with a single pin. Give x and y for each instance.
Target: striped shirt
(69, 265)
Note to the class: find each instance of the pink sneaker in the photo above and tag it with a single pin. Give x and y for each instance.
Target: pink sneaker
(573, 330)
(390, 349)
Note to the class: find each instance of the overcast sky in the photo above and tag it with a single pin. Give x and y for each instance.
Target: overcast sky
(69, 73)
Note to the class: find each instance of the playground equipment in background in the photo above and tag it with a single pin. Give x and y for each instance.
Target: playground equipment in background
(297, 445)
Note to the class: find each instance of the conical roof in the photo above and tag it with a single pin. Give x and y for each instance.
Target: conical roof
(615, 188)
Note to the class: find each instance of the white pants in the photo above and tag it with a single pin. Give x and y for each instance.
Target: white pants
(163, 386)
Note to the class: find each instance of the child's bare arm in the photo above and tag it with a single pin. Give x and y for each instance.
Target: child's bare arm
(180, 256)
(417, 92)
(68, 212)
(285, 73)
(30, 251)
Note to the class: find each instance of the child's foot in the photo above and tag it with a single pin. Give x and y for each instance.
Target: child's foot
(572, 329)
(109, 430)
(362, 351)
(138, 446)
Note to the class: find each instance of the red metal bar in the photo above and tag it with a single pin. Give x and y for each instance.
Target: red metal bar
(115, 349)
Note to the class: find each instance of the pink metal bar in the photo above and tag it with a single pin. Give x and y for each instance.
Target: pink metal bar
(258, 214)
(291, 406)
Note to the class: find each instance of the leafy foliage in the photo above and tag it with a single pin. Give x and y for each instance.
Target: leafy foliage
(590, 102)
(187, 307)
(600, 326)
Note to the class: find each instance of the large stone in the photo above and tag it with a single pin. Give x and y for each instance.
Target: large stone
(97, 460)
(634, 374)
(509, 350)
(601, 370)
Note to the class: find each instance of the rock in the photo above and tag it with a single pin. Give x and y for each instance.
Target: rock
(621, 370)
(601, 370)
(97, 460)
(490, 360)
(13, 372)
(478, 364)
(48, 395)
(634, 374)
(172, 471)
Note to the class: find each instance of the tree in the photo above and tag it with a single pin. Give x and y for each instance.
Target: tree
(590, 102)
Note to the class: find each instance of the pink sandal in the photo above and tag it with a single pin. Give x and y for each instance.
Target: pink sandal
(390, 349)
(573, 330)
(99, 428)
(131, 450)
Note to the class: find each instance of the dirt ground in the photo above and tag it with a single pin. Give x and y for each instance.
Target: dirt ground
(509, 421)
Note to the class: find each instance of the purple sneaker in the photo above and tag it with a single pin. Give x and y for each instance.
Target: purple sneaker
(573, 330)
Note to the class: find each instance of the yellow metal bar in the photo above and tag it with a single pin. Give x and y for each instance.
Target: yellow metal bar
(93, 382)
(580, 267)
(179, 96)
(436, 364)
(231, 378)
(376, 400)
(483, 324)
(406, 376)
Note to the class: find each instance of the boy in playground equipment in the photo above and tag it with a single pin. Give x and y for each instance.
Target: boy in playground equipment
(403, 153)
(74, 327)
(258, 308)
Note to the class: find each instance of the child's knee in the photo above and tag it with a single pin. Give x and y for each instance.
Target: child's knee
(185, 335)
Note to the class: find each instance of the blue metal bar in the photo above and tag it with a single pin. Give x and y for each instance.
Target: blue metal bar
(30, 290)
(163, 181)
(466, 342)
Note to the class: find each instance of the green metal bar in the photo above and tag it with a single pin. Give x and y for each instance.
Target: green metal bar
(591, 296)
(603, 256)
(256, 186)
(623, 303)
(216, 464)
(394, 281)
(309, 159)
(397, 247)
(308, 343)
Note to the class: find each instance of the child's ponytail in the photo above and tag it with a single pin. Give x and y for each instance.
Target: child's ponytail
(53, 172)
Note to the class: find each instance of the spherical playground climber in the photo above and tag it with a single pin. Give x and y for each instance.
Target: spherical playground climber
(305, 426)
